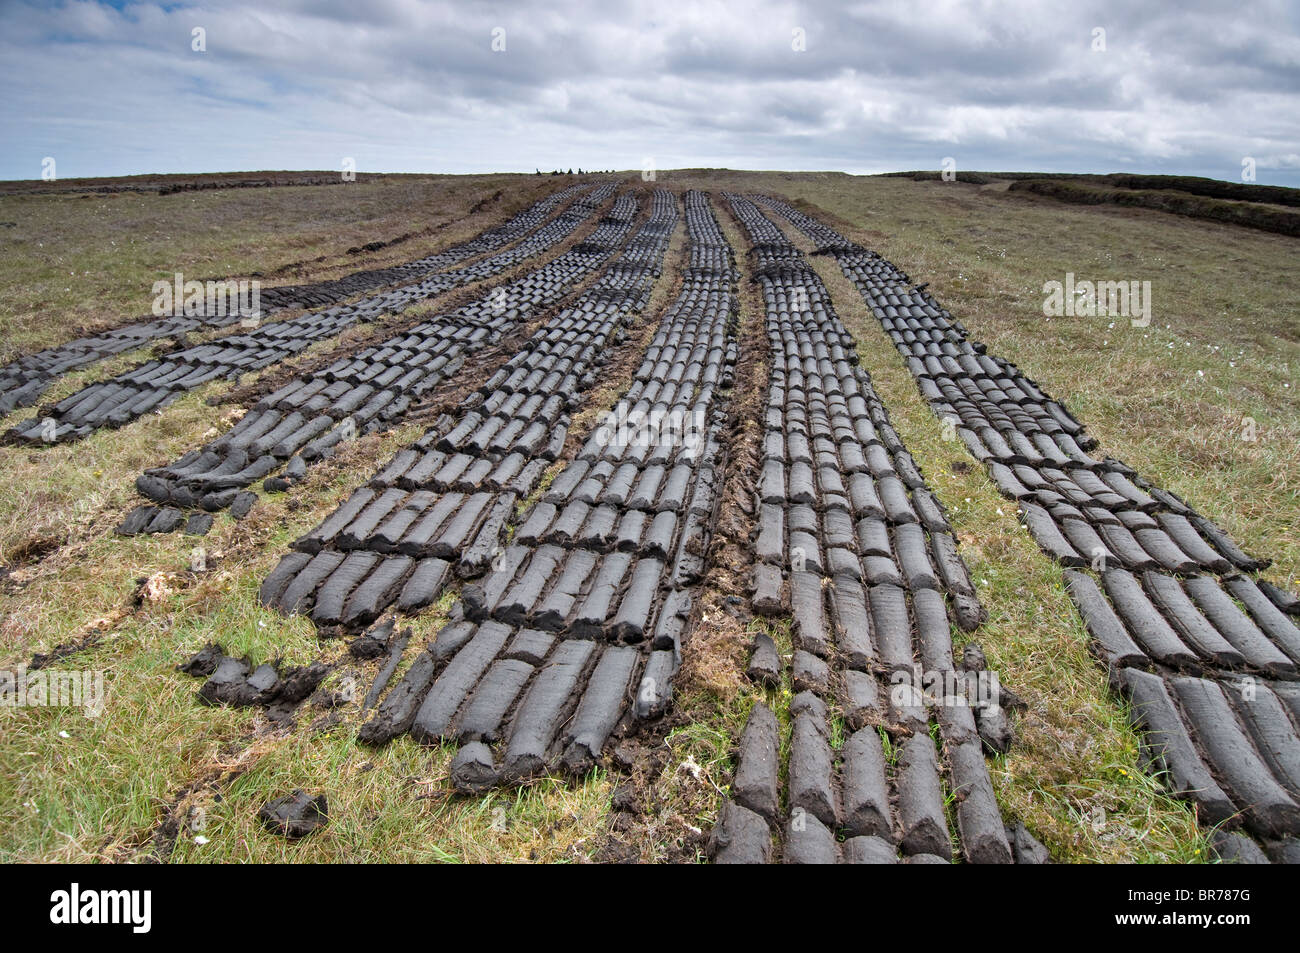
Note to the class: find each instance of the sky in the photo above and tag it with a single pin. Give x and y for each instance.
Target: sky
(1191, 88)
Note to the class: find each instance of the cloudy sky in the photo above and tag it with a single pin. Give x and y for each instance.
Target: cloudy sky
(410, 86)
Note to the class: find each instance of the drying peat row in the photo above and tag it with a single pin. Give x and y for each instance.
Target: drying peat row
(853, 547)
(23, 381)
(372, 388)
(588, 599)
(153, 385)
(1206, 651)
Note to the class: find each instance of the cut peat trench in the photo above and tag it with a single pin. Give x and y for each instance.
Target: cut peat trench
(872, 572)
(1206, 652)
(718, 638)
(667, 792)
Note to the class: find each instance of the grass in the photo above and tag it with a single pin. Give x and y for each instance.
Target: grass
(1223, 305)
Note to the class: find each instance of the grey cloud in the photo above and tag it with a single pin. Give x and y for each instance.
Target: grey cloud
(414, 86)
